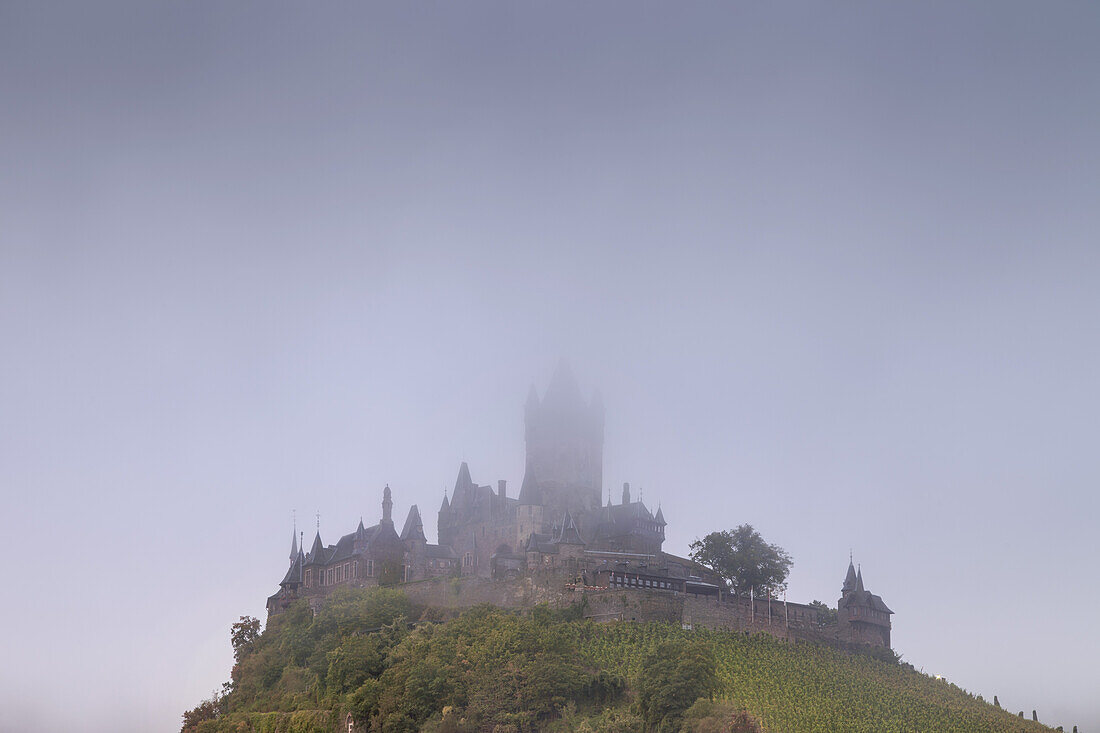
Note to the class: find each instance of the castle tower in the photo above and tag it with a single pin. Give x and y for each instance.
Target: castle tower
(862, 617)
(529, 512)
(564, 435)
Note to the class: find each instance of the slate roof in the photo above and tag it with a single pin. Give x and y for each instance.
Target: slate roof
(294, 573)
(850, 578)
(529, 492)
(617, 520)
(318, 555)
(440, 551)
(414, 526)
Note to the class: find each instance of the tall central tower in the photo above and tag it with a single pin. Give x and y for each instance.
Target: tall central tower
(564, 436)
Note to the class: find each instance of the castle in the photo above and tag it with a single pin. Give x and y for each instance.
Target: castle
(555, 537)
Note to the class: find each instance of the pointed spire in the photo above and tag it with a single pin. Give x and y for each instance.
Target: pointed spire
(294, 541)
(850, 578)
(859, 580)
(660, 518)
(529, 492)
(463, 482)
(317, 552)
(414, 526)
(387, 505)
(446, 505)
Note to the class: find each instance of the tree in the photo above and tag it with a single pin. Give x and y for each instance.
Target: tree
(243, 636)
(826, 614)
(744, 560)
(673, 677)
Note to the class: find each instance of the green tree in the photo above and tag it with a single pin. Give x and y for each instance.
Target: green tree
(744, 560)
(243, 636)
(825, 613)
(674, 676)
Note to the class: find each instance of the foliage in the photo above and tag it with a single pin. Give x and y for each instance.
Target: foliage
(546, 670)
(826, 614)
(243, 636)
(744, 560)
(676, 675)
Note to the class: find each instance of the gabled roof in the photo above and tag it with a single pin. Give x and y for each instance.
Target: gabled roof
(540, 543)
(569, 534)
(444, 552)
(343, 549)
(414, 526)
(867, 599)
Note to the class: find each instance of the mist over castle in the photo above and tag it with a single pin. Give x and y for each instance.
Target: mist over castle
(559, 541)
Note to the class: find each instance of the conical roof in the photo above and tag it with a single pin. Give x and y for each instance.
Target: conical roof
(294, 574)
(317, 554)
(445, 505)
(660, 518)
(462, 484)
(414, 526)
(859, 580)
(850, 578)
(529, 492)
(360, 531)
(293, 544)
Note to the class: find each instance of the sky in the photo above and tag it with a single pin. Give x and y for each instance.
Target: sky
(833, 266)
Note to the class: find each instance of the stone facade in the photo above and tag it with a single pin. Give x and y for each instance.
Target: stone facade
(554, 542)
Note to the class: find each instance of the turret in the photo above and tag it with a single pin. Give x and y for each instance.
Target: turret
(387, 506)
(849, 579)
(862, 617)
(317, 554)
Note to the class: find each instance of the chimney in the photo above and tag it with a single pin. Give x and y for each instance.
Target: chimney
(502, 488)
(626, 492)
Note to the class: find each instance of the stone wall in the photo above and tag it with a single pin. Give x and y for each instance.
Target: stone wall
(626, 604)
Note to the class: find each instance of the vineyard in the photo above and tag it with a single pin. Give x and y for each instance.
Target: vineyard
(495, 670)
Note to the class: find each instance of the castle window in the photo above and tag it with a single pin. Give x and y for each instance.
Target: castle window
(355, 568)
(370, 568)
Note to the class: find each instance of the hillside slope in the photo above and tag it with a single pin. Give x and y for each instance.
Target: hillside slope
(490, 669)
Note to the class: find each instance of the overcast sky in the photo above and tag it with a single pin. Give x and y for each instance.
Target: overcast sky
(834, 267)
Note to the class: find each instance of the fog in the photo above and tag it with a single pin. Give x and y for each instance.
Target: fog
(833, 267)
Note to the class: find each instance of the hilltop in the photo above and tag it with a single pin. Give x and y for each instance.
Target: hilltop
(394, 666)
